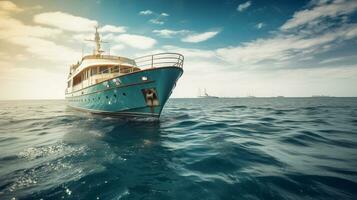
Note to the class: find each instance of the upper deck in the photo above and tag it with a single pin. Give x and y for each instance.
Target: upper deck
(94, 69)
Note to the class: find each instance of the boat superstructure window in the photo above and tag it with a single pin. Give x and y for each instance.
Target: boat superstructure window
(93, 71)
(103, 69)
(115, 69)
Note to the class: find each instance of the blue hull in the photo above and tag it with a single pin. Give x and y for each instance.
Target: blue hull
(126, 95)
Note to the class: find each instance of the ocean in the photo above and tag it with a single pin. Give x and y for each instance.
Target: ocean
(234, 148)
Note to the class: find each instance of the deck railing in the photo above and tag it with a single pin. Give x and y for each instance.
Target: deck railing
(160, 60)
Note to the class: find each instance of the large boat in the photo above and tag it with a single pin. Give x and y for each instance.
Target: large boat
(206, 95)
(115, 85)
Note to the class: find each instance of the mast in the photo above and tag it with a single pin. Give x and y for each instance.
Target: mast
(98, 41)
(205, 92)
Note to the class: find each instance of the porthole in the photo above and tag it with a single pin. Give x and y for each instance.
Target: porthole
(124, 94)
(115, 96)
(144, 78)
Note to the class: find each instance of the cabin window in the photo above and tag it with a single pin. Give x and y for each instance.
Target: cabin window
(103, 69)
(94, 71)
(115, 69)
(77, 79)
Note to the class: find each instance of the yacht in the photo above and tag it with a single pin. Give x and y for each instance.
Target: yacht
(206, 95)
(116, 85)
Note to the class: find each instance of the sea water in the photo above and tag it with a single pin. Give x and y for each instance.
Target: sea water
(243, 148)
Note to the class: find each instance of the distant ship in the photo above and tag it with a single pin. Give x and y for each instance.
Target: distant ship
(116, 85)
(205, 95)
(320, 96)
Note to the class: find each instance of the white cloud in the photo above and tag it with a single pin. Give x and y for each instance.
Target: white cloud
(323, 10)
(36, 40)
(193, 54)
(332, 60)
(47, 50)
(136, 41)
(284, 47)
(9, 6)
(112, 29)
(167, 33)
(200, 37)
(244, 6)
(156, 21)
(10, 27)
(146, 12)
(66, 21)
(259, 25)
(117, 47)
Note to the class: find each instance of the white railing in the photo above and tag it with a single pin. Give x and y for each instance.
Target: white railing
(160, 60)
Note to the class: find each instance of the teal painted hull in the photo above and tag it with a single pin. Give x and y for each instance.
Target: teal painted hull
(125, 95)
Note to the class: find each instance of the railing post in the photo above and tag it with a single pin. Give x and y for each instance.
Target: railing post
(152, 61)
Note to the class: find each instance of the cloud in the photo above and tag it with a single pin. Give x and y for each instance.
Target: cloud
(112, 29)
(36, 40)
(259, 25)
(200, 37)
(145, 12)
(65, 21)
(323, 10)
(9, 6)
(47, 50)
(136, 41)
(285, 47)
(156, 21)
(167, 33)
(244, 6)
(10, 27)
(191, 53)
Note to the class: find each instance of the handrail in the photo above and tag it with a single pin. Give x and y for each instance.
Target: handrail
(160, 60)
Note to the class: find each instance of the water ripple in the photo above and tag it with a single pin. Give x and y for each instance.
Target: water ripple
(245, 148)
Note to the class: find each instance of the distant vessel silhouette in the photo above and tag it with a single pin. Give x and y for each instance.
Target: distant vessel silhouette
(206, 95)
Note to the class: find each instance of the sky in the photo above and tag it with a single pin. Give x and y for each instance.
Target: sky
(233, 48)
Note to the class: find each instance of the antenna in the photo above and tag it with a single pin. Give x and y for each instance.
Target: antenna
(97, 41)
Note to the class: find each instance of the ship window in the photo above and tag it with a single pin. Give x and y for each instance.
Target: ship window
(144, 78)
(115, 69)
(103, 69)
(94, 71)
(115, 96)
(124, 94)
(107, 97)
